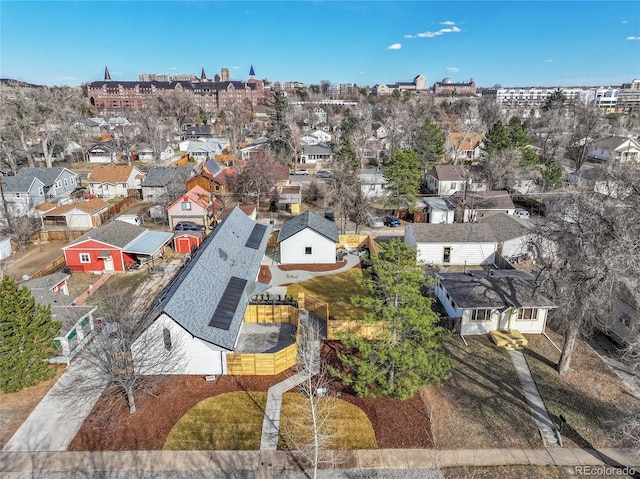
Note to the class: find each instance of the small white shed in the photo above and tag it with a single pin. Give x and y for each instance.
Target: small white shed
(308, 239)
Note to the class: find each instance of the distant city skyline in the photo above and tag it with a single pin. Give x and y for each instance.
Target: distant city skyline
(511, 43)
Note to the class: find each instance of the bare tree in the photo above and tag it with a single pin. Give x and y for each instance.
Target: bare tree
(113, 360)
(17, 113)
(596, 238)
(255, 179)
(309, 429)
(587, 125)
(19, 222)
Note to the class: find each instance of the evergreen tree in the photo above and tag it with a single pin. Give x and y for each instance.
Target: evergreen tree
(497, 139)
(429, 144)
(529, 156)
(556, 101)
(403, 179)
(279, 132)
(552, 177)
(519, 138)
(26, 338)
(407, 353)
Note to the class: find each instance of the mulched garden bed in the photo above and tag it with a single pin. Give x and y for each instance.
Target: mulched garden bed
(397, 424)
(312, 267)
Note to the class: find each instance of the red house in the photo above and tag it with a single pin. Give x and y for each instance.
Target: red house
(114, 247)
(187, 241)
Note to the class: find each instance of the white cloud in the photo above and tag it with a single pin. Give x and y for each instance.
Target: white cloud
(448, 22)
(173, 68)
(633, 38)
(235, 67)
(453, 69)
(548, 60)
(409, 36)
(625, 21)
(442, 31)
(394, 46)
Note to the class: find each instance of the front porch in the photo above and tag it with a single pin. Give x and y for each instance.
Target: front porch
(510, 339)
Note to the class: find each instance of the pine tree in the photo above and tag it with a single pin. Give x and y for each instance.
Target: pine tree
(26, 338)
(497, 139)
(552, 176)
(408, 352)
(429, 144)
(518, 136)
(279, 133)
(403, 176)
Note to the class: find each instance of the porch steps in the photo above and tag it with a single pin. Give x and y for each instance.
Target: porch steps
(510, 339)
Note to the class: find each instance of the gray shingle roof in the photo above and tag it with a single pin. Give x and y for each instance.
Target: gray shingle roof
(47, 175)
(17, 184)
(505, 288)
(117, 233)
(309, 219)
(161, 176)
(492, 229)
(195, 295)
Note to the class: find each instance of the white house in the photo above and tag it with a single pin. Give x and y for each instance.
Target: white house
(485, 301)
(438, 210)
(469, 243)
(105, 152)
(319, 153)
(614, 148)
(308, 239)
(322, 136)
(202, 311)
(372, 183)
(445, 180)
(114, 181)
(474, 205)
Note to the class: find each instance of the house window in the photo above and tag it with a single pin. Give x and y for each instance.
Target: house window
(72, 181)
(217, 188)
(527, 314)
(446, 254)
(40, 191)
(85, 258)
(58, 184)
(481, 315)
(186, 205)
(308, 250)
(166, 336)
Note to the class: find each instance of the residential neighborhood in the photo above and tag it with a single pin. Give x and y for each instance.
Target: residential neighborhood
(202, 258)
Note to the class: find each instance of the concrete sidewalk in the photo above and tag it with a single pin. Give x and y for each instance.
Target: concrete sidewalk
(279, 277)
(14, 464)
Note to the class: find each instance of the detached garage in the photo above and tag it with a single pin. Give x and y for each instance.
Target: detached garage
(187, 241)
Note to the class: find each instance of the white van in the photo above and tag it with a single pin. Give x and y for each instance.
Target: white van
(133, 219)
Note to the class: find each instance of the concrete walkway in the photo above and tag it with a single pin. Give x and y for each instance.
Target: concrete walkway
(279, 277)
(538, 409)
(14, 465)
(53, 423)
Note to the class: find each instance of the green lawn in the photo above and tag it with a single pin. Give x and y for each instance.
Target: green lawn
(335, 289)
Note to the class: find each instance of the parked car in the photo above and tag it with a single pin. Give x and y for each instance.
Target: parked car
(376, 222)
(522, 213)
(391, 221)
(188, 226)
(301, 171)
(323, 173)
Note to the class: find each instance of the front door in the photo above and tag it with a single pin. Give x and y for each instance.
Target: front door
(446, 255)
(108, 265)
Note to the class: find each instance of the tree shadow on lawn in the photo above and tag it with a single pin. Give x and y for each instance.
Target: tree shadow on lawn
(590, 398)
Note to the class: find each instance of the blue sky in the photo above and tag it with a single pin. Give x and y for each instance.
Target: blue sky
(511, 43)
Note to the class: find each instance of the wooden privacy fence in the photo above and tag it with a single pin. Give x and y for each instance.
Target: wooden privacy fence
(56, 265)
(364, 330)
(266, 364)
(60, 234)
(314, 305)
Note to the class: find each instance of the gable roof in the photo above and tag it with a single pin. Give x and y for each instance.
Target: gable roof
(48, 176)
(160, 176)
(312, 220)
(117, 233)
(19, 184)
(90, 206)
(449, 173)
(196, 300)
(211, 167)
(494, 289)
(493, 229)
(613, 142)
(465, 141)
(110, 174)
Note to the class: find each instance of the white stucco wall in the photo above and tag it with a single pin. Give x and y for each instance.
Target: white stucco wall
(195, 356)
(441, 216)
(292, 250)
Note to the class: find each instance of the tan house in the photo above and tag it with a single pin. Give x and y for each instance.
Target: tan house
(114, 181)
(84, 214)
(464, 146)
(196, 205)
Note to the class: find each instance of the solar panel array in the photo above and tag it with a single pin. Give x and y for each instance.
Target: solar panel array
(255, 238)
(223, 315)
